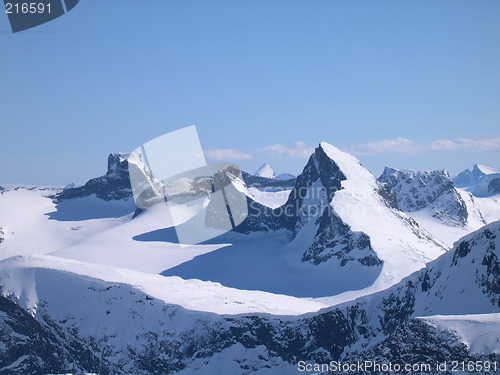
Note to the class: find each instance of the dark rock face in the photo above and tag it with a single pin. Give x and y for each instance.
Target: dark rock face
(490, 279)
(418, 343)
(416, 190)
(433, 190)
(494, 186)
(264, 182)
(28, 347)
(59, 349)
(319, 168)
(310, 200)
(2, 235)
(388, 195)
(261, 219)
(334, 239)
(114, 185)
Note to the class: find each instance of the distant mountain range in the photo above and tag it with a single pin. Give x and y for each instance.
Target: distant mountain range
(331, 265)
(481, 181)
(267, 172)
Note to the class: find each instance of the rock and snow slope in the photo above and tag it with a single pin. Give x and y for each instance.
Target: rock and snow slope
(478, 180)
(416, 190)
(96, 303)
(110, 327)
(437, 205)
(338, 232)
(114, 185)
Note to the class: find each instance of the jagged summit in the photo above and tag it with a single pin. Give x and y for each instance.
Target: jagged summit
(114, 185)
(265, 171)
(480, 169)
(392, 176)
(434, 190)
(477, 181)
(337, 217)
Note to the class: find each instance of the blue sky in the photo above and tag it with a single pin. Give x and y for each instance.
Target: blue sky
(399, 83)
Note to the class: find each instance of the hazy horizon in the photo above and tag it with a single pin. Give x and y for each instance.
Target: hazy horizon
(407, 85)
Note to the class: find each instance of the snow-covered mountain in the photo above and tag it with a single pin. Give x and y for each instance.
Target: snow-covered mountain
(114, 185)
(57, 321)
(326, 224)
(416, 190)
(431, 198)
(265, 171)
(478, 180)
(319, 271)
(265, 180)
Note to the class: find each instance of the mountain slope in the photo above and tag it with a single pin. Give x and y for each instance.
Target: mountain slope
(133, 333)
(434, 190)
(33, 223)
(477, 181)
(437, 205)
(338, 230)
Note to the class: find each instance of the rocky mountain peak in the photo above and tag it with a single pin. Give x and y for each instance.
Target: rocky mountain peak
(416, 189)
(432, 190)
(477, 181)
(118, 164)
(114, 185)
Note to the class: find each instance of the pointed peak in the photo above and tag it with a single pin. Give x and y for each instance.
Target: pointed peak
(389, 171)
(347, 163)
(329, 149)
(479, 169)
(117, 163)
(476, 170)
(265, 171)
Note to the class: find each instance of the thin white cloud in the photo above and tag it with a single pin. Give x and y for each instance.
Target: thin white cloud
(227, 154)
(297, 150)
(407, 146)
(300, 150)
(396, 145)
(465, 144)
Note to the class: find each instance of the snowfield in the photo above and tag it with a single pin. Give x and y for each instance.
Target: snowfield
(89, 283)
(480, 332)
(19, 275)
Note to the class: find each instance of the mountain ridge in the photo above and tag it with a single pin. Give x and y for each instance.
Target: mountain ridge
(268, 342)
